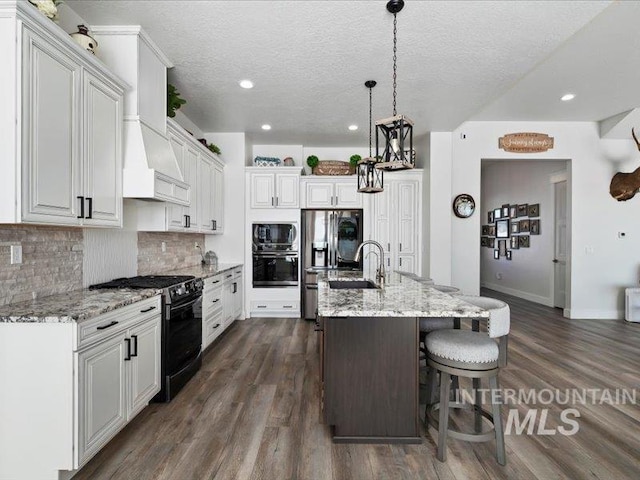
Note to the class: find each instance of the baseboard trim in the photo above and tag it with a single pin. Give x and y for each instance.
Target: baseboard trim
(593, 314)
(520, 294)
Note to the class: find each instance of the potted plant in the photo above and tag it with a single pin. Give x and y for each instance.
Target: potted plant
(353, 162)
(174, 102)
(312, 161)
(214, 148)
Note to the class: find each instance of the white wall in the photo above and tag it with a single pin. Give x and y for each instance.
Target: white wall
(186, 123)
(278, 151)
(230, 245)
(529, 274)
(601, 265)
(438, 185)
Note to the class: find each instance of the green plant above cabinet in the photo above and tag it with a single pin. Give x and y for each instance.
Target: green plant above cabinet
(174, 101)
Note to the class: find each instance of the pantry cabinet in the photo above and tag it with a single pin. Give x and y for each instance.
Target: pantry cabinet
(63, 115)
(397, 220)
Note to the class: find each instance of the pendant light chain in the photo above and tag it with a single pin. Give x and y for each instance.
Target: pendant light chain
(370, 117)
(395, 58)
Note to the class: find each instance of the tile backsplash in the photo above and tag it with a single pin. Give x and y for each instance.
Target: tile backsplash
(51, 261)
(53, 258)
(179, 251)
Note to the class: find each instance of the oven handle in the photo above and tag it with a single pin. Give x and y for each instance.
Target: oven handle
(183, 306)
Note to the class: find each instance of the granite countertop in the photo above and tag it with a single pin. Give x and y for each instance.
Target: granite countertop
(401, 296)
(74, 306)
(80, 305)
(202, 271)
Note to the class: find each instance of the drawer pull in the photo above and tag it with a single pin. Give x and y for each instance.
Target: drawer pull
(216, 326)
(215, 301)
(239, 271)
(230, 275)
(287, 306)
(216, 281)
(262, 306)
(128, 342)
(148, 309)
(104, 327)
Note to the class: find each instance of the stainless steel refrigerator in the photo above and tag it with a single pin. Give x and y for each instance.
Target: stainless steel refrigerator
(330, 239)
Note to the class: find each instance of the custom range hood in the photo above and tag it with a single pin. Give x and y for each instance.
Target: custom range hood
(151, 170)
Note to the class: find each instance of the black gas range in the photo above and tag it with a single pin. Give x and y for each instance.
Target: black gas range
(181, 349)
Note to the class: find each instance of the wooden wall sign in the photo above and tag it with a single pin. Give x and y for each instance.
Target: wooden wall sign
(525, 142)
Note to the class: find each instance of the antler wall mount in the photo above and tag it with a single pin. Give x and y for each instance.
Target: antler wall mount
(625, 185)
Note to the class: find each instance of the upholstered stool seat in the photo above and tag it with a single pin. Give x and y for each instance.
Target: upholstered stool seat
(462, 346)
(445, 288)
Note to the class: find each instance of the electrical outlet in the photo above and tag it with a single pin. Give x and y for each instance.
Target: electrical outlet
(499, 276)
(197, 245)
(16, 254)
(163, 247)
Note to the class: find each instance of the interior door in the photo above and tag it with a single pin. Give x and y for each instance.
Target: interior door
(560, 244)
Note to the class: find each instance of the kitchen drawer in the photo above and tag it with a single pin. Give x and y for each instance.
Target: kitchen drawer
(212, 282)
(275, 308)
(212, 329)
(110, 323)
(237, 273)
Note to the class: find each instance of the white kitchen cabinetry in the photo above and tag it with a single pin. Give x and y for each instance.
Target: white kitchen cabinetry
(98, 374)
(277, 187)
(397, 220)
(237, 293)
(64, 118)
(331, 192)
(203, 171)
(212, 309)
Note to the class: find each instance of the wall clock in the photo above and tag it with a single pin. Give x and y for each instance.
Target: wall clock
(464, 205)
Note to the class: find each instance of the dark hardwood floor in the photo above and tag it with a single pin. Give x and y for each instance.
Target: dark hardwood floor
(252, 412)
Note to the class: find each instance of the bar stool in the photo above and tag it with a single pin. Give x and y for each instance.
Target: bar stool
(473, 355)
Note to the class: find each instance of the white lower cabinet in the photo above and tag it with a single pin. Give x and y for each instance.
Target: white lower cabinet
(221, 303)
(69, 388)
(117, 378)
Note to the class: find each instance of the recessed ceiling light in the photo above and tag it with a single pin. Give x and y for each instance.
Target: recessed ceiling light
(567, 96)
(266, 126)
(246, 83)
(353, 127)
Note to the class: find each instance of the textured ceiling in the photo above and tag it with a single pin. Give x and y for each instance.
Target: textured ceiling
(309, 59)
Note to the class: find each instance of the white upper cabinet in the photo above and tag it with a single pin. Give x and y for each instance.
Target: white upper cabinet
(328, 192)
(204, 174)
(277, 187)
(397, 224)
(64, 116)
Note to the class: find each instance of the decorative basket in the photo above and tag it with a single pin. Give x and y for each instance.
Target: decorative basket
(333, 167)
(266, 162)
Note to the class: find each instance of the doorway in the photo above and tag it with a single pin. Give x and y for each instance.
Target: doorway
(560, 240)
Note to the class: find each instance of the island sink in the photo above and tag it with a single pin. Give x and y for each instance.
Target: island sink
(353, 284)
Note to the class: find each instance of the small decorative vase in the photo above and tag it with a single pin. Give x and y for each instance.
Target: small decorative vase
(47, 8)
(85, 40)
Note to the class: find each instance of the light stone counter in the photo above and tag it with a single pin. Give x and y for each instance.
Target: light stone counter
(202, 271)
(401, 296)
(74, 306)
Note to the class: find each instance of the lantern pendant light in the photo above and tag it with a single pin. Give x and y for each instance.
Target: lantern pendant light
(397, 131)
(370, 178)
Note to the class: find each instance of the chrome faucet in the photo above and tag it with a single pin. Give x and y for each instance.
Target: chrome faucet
(380, 269)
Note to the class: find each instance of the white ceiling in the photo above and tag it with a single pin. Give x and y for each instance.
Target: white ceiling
(457, 60)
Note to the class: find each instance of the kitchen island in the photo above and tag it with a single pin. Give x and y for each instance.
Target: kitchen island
(370, 357)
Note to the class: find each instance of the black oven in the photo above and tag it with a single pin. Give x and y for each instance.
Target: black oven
(275, 269)
(182, 341)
